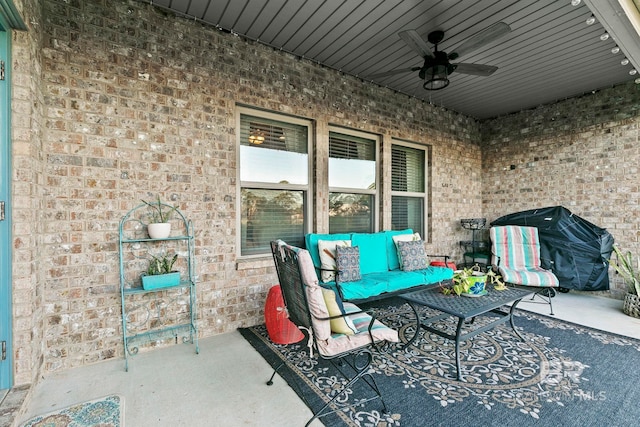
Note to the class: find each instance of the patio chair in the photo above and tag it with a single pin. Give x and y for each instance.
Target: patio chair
(515, 254)
(350, 352)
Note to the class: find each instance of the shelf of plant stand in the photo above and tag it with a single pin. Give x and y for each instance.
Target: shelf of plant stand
(147, 239)
(141, 290)
(171, 332)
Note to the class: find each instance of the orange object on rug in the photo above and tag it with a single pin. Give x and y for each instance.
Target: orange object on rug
(449, 264)
(281, 330)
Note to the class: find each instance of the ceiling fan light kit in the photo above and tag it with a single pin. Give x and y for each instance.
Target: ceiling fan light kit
(436, 78)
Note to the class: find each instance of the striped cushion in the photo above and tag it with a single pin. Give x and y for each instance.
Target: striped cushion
(516, 252)
(339, 343)
(528, 276)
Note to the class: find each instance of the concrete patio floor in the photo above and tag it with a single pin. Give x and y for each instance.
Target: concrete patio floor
(225, 383)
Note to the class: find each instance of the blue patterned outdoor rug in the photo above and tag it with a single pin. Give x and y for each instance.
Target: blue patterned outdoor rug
(104, 412)
(562, 374)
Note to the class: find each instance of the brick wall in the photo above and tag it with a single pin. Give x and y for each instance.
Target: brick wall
(131, 102)
(582, 153)
(28, 196)
(122, 101)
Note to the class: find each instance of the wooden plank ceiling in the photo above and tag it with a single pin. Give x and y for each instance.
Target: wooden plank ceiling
(549, 55)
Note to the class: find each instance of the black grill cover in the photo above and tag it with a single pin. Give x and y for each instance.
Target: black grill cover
(576, 250)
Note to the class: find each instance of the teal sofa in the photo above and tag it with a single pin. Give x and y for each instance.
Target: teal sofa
(380, 271)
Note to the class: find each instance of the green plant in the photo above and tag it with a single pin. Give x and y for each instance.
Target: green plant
(160, 212)
(496, 280)
(624, 265)
(162, 264)
(461, 283)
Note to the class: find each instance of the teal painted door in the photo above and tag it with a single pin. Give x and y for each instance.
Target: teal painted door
(6, 362)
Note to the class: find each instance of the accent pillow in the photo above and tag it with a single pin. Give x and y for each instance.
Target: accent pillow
(404, 238)
(348, 264)
(340, 325)
(327, 250)
(412, 255)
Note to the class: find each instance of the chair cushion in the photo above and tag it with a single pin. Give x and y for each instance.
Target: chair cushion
(348, 264)
(342, 343)
(315, 299)
(341, 325)
(529, 276)
(515, 246)
(412, 255)
(327, 251)
(516, 252)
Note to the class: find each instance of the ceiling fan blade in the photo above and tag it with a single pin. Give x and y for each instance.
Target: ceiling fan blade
(393, 72)
(486, 36)
(475, 69)
(415, 42)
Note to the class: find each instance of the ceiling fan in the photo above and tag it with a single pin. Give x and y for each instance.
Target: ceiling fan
(437, 66)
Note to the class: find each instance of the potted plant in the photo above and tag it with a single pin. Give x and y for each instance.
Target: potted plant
(160, 273)
(628, 268)
(472, 281)
(159, 226)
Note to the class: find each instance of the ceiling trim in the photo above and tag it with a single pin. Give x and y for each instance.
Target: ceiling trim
(620, 26)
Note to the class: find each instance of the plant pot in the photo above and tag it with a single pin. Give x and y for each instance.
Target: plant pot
(160, 281)
(159, 230)
(631, 305)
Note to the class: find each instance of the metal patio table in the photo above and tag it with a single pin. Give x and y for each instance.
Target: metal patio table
(466, 308)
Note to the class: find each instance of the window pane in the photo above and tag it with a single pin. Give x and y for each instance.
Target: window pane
(407, 169)
(272, 151)
(350, 213)
(272, 134)
(352, 162)
(269, 215)
(407, 212)
(273, 166)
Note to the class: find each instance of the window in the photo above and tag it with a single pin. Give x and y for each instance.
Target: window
(274, 180)
(352, 182)
(408, 183)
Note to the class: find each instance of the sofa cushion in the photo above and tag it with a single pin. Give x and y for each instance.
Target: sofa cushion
(373, 251)
(403, 238)
(311, 242)
(392, 252)
(348, 264)
(412, 255)
(327, 251)
(368, 286)
(340, 325)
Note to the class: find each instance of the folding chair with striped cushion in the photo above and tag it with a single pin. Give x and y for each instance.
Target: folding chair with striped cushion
(515, 254)
(351, 351)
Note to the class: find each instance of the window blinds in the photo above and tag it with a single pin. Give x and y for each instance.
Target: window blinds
(407, 169)
(272, 134)
(351, 147)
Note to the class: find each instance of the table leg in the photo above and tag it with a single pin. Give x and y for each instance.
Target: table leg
(418, 324)
(513, 307)
(458, 333)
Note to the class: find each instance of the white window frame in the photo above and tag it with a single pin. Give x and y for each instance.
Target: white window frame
(375, 192)
(308, 188)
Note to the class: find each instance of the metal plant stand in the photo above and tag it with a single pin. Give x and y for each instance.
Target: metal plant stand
(154, 315)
